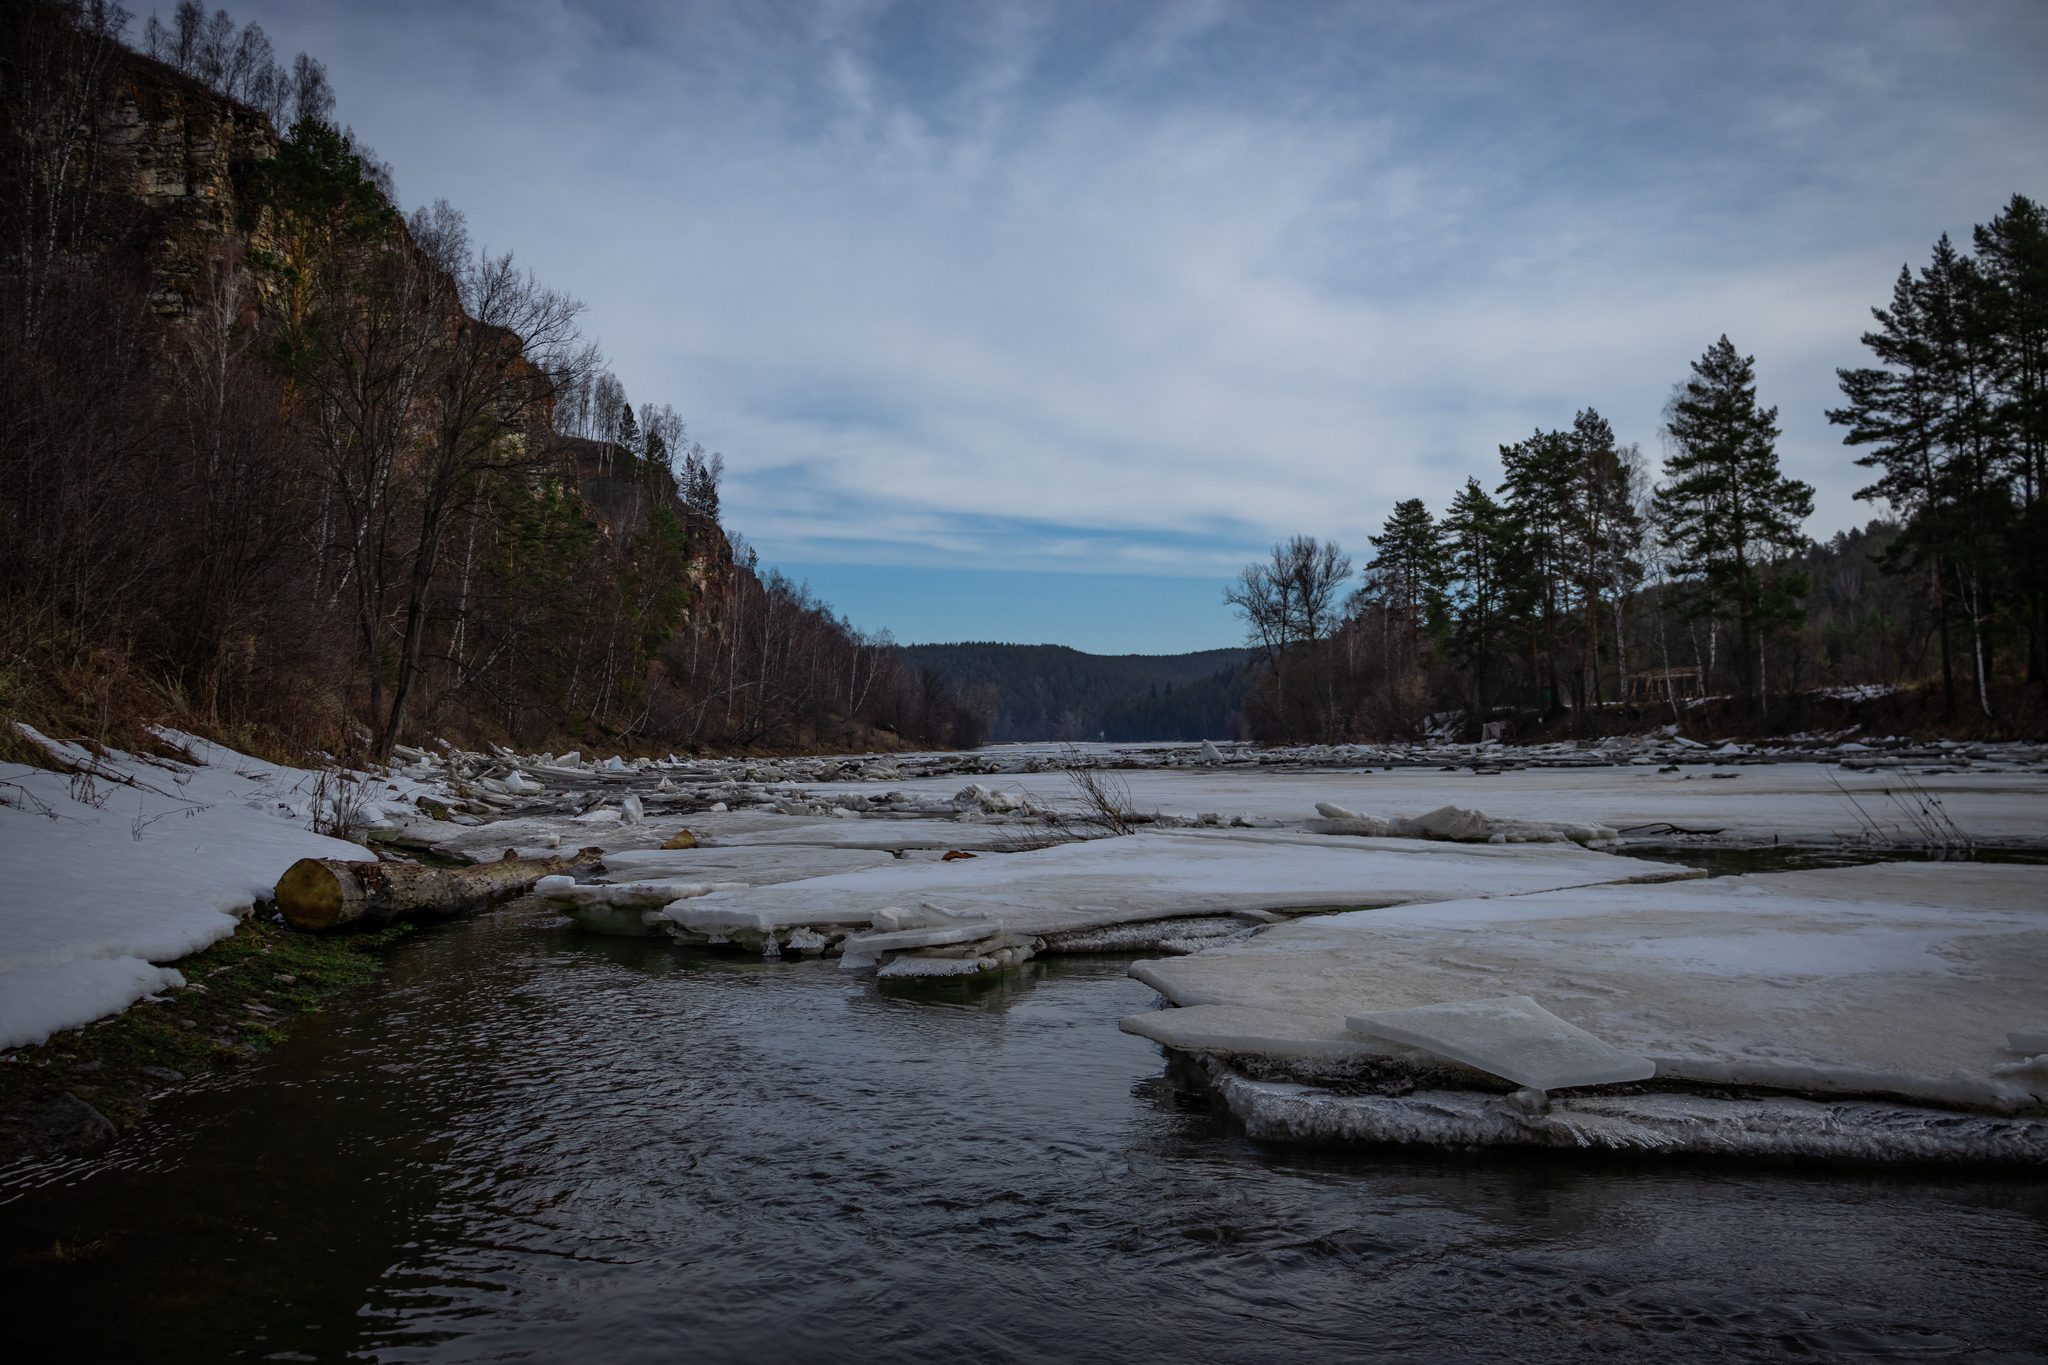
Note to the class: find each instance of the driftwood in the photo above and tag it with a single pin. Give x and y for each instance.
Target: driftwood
(328, 893)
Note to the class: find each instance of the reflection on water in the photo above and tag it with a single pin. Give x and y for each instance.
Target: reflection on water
(530, 1144)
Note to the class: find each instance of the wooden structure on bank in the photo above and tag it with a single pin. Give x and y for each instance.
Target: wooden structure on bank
(1655, 686)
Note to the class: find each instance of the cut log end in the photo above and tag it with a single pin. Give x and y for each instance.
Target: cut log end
(315, 894)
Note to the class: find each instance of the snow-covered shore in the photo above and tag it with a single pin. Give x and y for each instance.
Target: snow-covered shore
(133, 861)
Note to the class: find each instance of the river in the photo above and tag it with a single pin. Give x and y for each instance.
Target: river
(527, 1143)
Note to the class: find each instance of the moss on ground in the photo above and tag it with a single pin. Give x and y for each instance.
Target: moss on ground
(240, 993)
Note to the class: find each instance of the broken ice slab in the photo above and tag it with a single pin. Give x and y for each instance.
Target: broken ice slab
(1366, 826)
(752, 865)
(2031, 1040)
(724, 919)
(902, 940)
(935, 967)
(985, 955)
(1472, 826)
(624, 910)
(1511, 1036)
(1235, 1030)
(867, 948)
(567, 892)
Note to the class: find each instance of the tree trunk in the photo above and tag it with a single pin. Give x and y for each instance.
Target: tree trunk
(321, 894)
(1948, 677)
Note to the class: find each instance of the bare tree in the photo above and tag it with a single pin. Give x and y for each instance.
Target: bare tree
(57, 56)
(1290, 600)
(441, 232)
(242, 66)
(489, 401)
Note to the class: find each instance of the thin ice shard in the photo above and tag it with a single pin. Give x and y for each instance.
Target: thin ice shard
(1513, 1037)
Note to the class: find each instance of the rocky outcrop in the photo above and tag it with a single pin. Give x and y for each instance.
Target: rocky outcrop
(180, 155)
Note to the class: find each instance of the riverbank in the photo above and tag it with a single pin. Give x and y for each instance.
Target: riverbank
(1213, 856)
(84, 1088)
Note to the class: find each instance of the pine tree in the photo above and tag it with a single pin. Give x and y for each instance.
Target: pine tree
(1602, 535)
(1481, 557)
(1898, 411)
(1538, 489)
(2012, 256)
(1932, 418)
(1729, 512)
(1410, 570)
(626, 437)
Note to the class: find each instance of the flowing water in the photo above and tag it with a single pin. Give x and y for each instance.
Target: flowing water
(528, 1144)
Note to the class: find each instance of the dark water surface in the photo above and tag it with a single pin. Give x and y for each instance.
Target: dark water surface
(1744, 859)
(528, 1144)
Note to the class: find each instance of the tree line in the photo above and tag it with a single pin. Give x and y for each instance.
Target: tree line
(274, 455)
(1580, 581)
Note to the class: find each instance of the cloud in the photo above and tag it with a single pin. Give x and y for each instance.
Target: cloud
(1143, 287)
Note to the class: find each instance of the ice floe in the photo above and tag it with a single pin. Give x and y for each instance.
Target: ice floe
(1063, 894)
(1900, 979)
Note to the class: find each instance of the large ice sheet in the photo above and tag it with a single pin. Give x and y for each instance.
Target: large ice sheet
(1899, 978)
(1182, 872)
(1510, 1036)
(1798, 802)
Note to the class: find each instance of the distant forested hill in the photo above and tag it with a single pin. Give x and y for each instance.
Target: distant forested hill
(1053, 692)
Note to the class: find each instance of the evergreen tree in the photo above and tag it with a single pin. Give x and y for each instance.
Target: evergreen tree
(1932, 418)
(323, 207)
(1482, 551)
(1410, 570)
(1729, 512)
(626, 436)
(1602, 535)
(1538, 489)
(2012, 256)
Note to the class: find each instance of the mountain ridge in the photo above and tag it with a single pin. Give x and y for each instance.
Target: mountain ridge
(1041, 692)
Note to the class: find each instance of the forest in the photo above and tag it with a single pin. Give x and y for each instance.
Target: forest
(283, 463)
(1586, 590)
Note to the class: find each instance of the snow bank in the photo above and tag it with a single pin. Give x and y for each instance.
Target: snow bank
(140, 860)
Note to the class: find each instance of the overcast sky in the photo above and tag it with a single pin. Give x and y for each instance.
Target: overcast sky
(1036, 321)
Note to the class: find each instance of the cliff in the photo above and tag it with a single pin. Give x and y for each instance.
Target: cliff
(176, 164)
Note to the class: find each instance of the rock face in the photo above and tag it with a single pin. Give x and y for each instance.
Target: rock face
(179, 156)
(175, 169)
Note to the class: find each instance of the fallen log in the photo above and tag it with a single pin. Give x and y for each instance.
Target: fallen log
(322, 894)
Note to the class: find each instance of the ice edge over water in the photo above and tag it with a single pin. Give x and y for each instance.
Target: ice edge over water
(1849, 1130)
